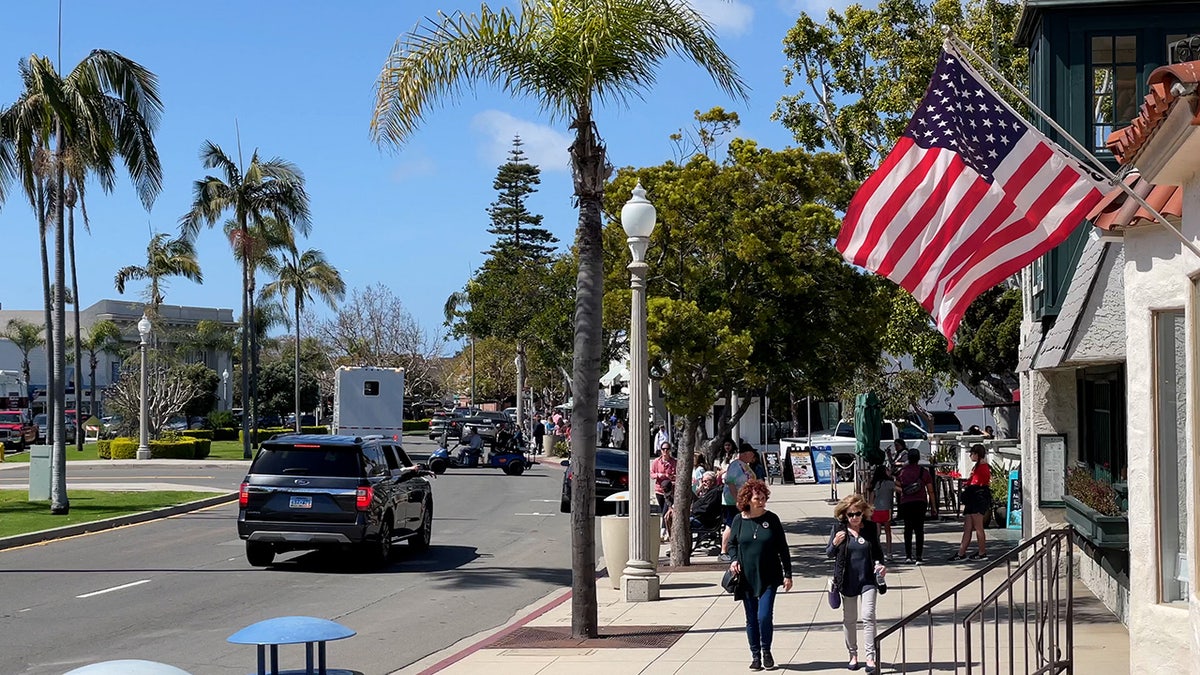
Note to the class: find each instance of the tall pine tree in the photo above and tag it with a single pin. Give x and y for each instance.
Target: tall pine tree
(519, 234)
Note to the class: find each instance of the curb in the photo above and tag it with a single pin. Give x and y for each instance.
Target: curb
(110, 523)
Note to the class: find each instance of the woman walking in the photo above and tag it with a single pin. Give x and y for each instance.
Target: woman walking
(882, 496)
(760, 555)
(857, 573)
(977, 500)
(915, 485)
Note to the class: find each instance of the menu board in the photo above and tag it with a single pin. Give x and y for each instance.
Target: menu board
(1052, 469)
(802, 467)
(774, 468)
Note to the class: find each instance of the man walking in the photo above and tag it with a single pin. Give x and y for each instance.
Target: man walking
(736, 475)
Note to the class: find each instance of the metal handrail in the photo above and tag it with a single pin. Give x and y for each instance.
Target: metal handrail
(1041, 544)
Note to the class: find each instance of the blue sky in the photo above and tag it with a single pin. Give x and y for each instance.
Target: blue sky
(298, 79)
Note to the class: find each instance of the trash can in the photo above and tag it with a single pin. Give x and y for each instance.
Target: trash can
(548, 445)
(39, 473)
(614, 540)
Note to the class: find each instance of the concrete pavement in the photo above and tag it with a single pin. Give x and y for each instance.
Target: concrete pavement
(697, 628)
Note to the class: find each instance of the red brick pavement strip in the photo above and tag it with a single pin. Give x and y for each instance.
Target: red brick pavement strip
(491, 639)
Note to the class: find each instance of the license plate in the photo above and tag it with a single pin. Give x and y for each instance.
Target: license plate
(300, 503)
(603, 481)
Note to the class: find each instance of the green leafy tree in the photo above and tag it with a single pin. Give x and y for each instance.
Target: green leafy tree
(279, 386)
(300, 276)
(264, 188)
(858, 76)
(106, 109)
(204, 381)
(165, 257)
(569, 56)
(519, 233)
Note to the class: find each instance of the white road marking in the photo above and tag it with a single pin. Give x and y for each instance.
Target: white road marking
(114, 588)
(535, 514)
(548, 501)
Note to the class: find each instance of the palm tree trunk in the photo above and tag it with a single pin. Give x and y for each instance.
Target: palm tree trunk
(253, 351)
(245, 354)
(78, 421)
(296, 376)
(48, 307)
(59, 504)
(590, 173)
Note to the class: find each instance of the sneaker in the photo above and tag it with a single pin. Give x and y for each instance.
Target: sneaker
(724, 557)
(909, 561)
(768, 661)
(978, 556)
(918, 562)
(956, 558)
(756, 663)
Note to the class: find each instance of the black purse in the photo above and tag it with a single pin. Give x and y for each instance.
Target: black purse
(731, 581)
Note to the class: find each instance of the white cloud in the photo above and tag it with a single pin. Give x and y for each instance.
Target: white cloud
(544, 146)
(730, 16)
(413, 167)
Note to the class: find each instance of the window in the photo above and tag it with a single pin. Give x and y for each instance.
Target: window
(374, 462)
(1101, 393)
(371, 388)
(1171, 464)
(1113, 71)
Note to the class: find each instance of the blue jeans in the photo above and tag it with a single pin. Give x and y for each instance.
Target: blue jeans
(760, 623)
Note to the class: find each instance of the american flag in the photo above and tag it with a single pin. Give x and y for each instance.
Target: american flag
(970, 195)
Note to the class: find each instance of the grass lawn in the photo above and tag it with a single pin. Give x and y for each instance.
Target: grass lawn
(22, 516)
(219, 450)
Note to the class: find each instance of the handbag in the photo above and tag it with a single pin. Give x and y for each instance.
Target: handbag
(731, 581)
(835, 596)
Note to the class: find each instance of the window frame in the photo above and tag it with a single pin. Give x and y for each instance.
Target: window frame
(1170, 591)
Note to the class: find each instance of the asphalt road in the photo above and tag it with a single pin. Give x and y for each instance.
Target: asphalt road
(173, 590)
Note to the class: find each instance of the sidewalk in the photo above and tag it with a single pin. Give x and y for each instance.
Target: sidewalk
(697, 628)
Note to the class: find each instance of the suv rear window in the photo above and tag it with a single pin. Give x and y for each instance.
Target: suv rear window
(335, 461)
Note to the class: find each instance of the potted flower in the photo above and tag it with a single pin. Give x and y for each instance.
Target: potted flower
(1094, 510)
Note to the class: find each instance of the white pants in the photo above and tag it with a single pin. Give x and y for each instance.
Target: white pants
(850, 622)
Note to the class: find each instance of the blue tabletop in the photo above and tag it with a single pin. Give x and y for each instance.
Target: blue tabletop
(289, 630)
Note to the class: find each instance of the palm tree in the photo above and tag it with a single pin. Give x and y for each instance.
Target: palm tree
(300, 275)
(26, 337)
(102, 337)
(273, 187)
(568, 55)
(106, 108)
(165, 257)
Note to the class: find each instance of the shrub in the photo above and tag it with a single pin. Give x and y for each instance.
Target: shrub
(198, 433)
(314, 430)
(181, 448)
(562, 448)
(203, 447)
(103, 449)
(123, 447)
(1094, 493)
(221, 419)
(416, 425)
(225, 434)
(999, 484)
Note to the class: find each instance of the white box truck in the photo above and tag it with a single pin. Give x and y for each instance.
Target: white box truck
(368, 401)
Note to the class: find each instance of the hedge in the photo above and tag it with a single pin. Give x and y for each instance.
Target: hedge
(198, 433)
(181, 448)
(416, 425)
(123, 448)
(264, 432)
(225, 434)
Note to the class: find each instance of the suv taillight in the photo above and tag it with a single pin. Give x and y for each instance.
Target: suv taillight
(244, 494)
(624, 480)
(363, 498)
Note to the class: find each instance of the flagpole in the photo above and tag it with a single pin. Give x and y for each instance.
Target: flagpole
(1113, 179)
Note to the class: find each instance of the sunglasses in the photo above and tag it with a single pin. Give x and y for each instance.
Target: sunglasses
(854, 514)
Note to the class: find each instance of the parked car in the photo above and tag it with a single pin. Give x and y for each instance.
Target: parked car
(316, 491)
(612, 476)
(178, 423)
(447, 422)
(486, 423)
(306, 420)
(944, 421)
(270, 421)
(40, 421)
(17, 430)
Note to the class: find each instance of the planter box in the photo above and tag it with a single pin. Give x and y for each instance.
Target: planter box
(1102, 531)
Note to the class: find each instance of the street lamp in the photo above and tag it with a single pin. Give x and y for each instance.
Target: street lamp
(143, 451)
(225, 388)
(639, 578)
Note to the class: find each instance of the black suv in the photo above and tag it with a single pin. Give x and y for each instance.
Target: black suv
(309, 491)
(486, 423)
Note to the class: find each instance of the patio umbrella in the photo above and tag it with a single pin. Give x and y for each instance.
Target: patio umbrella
(868, 420)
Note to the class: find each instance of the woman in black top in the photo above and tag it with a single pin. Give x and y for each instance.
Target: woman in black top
(760, 555)
(854, 542)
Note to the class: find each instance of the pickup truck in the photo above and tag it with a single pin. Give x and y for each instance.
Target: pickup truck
(841, 442)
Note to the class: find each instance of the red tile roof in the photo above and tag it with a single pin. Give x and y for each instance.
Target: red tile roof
(1116, 211)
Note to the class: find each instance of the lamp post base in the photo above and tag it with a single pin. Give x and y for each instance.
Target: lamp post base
(143, 452)
(641, 589)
